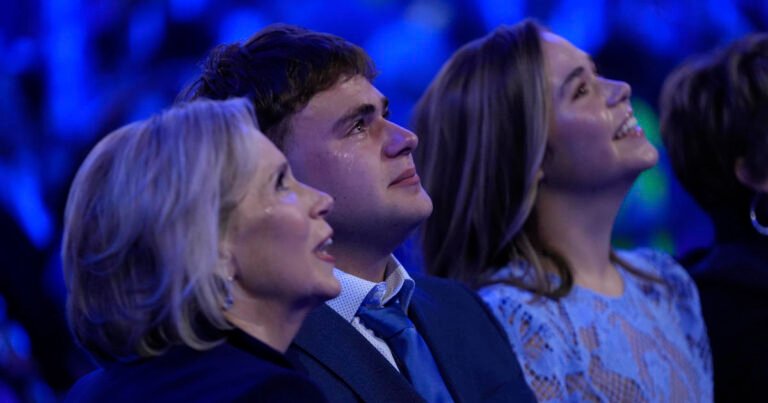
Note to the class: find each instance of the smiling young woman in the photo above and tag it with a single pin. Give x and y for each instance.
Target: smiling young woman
(528, 154)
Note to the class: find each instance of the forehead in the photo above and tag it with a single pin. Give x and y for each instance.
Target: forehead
(561, 56)
(327, 106)
(262, 153)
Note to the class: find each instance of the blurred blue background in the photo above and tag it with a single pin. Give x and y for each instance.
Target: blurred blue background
(74, 70)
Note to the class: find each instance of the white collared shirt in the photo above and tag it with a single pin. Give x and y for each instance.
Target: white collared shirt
(355, 289)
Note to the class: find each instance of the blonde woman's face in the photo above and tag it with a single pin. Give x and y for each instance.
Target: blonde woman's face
(594, 140)
(277, 237)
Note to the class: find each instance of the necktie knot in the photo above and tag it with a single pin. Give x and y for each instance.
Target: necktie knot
(386, 321)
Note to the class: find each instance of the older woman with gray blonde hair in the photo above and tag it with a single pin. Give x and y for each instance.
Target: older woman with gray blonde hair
(528, 153)
(191, 256)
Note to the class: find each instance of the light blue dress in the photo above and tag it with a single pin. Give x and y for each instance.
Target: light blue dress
(647, 345)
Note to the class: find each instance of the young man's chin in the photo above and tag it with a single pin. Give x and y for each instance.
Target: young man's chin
(418, 212)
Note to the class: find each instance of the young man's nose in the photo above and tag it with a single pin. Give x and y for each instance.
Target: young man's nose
(400, 141)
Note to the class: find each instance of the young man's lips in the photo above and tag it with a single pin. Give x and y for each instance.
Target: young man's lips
(408, 177)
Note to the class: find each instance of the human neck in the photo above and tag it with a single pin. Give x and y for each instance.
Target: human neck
(365, 254)
(579, 226)
(368, 263)
(274, 323)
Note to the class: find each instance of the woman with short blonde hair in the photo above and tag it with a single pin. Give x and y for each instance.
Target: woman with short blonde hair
(167, 252)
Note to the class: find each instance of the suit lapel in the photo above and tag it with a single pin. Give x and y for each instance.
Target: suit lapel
(331, 340)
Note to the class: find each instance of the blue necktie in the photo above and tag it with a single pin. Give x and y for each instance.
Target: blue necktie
(390, 323)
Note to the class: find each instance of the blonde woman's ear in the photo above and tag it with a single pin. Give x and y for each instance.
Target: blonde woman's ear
(747, 179)
(226, 270)
(225, 264)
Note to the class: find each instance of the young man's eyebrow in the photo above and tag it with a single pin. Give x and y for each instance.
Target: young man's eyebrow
(353, 114)
(360, 111)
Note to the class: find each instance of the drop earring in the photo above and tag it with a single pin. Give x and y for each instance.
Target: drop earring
(228, 300)
(753, 216)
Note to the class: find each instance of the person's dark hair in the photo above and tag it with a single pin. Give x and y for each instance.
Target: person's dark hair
(714, 110)
(280, 68)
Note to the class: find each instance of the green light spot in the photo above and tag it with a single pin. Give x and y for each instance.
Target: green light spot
(648, 120)
(663, 240)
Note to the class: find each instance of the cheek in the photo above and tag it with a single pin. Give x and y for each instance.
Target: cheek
(569, 150)
(323, 169)
(582, 137)
(353, 161)
(347, 173)
(266, 250)
(277, 230)
(286, 227)
(584, 124)
(345, 159)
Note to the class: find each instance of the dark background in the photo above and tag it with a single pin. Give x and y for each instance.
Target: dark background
(71, 71)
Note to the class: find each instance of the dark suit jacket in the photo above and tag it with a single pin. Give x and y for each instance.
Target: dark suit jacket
(733, 286)
(241, 369)
(471, 351)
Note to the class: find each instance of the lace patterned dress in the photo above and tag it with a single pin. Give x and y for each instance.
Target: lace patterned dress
(647, 345)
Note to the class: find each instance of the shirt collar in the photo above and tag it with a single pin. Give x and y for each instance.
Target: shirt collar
(354, 289)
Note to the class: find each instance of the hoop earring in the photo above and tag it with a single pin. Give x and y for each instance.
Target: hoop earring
(763, 230)
(228, 300)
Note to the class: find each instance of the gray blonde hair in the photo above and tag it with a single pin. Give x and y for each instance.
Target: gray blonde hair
(482, 126)
(142, 226)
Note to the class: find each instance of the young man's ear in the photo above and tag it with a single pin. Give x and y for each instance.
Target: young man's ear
(747, 179)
